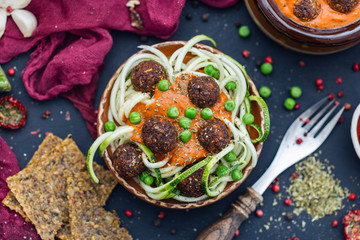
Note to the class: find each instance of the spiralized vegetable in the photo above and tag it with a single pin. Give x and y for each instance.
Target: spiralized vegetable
(124, 97)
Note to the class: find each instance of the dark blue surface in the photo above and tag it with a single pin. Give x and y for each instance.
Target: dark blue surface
(188, 224)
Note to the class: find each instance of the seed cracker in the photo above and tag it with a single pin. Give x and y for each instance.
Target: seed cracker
(48, 143)
(88, 221)
(41, 188)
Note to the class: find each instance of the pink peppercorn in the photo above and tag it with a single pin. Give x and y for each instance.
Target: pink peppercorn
(268, 59)
(128, 213)
(288, 201)
(352, 196)
(237, 233)
(161, 215)
(246, 53)
(294, 175)
(11, 71)
(331, 96)
(340, 94)
(276, 188)
(347, 106)
(341, 119)
(356, 67)
(259, 213)
(299, 141)
(319, 82)
(297, 106)
(338, 80)
(335, 223)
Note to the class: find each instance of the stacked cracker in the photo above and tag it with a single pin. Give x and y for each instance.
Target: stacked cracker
(57, 195)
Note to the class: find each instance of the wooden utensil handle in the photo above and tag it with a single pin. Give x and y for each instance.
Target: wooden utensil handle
(225, 227)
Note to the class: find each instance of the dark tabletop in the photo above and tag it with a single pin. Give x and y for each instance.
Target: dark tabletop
(337, 149)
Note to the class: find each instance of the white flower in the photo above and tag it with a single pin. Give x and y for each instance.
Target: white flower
(25, 20)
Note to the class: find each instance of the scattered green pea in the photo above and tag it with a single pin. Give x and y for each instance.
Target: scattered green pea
(266, 68)
(231, 85)
(230, 156)
(164, 85)
(248, 118)
(244, 31)
(172, 112)
(295, 92)
(185, 136)
(236, 175)
(185, 122)
(206, 113)
(289, 103)
(109, 126)
(135, 117)
(265, 91)
(230, 105)
(190, 112)
(221, 170)
(149, 180)
(143, 175)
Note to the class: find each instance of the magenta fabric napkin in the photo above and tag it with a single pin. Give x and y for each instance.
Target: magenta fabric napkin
(71, 42)
(12, 225)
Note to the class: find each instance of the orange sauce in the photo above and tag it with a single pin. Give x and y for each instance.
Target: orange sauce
(184, 153)
(327, 19)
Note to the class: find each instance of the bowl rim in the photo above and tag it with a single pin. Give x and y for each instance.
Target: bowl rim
(133, 190)
(337, 36)
(353, 130)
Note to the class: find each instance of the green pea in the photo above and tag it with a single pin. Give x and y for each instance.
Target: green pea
(221, 170)
(164, 85)
(185, 122)
(190, 112)
(244, 31)
(172, 112)
(109, 126)
(185, 136)
(211, 71)
(216, 74)
(143, 175)
(266, 68)
(289, 103)
(206, 113)
(248, 118)
(236, 175)
(231, 85)
(230, 156)
(149, 180)
(135, 117)
(230, 105)
(265, 91)
(295, 92)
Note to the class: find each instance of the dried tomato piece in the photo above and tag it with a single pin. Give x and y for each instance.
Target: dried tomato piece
(12, 113)
(351, 223)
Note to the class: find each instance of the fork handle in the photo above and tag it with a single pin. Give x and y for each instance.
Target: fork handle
(225, 227)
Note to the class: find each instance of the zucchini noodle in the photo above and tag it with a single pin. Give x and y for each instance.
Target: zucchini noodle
(124, 98)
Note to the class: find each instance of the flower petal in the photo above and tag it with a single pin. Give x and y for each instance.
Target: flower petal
(15, 4)
(25, 20)
(3, 18)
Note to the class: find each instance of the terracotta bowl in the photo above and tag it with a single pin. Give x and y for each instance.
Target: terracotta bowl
(168, 48)
(295, 36)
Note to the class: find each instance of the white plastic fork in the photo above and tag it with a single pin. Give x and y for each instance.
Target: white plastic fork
(302, 138)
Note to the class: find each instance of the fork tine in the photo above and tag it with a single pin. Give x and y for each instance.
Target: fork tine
(305, 115)
(329, 127)
(321, 122)
(314, 119)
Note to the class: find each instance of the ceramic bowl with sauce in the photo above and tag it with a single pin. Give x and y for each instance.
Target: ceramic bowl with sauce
(355, 130)
(330, 31)
(168, 48)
